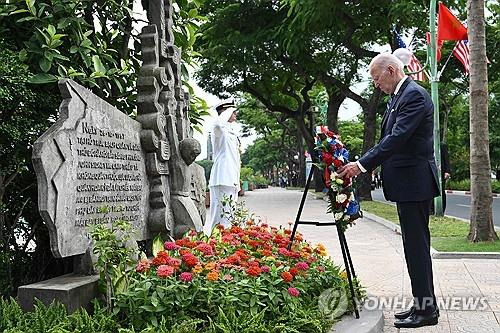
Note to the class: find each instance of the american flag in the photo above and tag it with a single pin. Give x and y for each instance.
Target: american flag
(461, 51)
(414, 65)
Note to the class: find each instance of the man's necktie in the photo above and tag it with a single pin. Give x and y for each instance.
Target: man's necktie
(388, 106)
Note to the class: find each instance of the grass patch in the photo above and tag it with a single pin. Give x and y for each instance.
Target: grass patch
(461, 244)
(385, 211)
(447, 234)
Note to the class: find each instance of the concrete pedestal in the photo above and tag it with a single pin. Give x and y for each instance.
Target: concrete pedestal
(74, 291)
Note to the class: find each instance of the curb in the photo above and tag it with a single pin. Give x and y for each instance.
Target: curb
(370, 321)
(495, 195)
(435, 253)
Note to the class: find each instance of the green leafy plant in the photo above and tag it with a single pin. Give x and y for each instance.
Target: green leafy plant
(114, 258)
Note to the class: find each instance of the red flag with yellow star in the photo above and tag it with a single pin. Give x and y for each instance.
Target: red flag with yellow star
(449, 27)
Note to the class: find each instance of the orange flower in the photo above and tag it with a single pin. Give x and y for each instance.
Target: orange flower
(286, 276)
(210, 266)
(213, 276)
(197, 269)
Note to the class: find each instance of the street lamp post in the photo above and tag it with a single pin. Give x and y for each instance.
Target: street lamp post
(434, 79)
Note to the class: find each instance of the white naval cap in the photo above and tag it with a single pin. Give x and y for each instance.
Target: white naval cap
(227, 103)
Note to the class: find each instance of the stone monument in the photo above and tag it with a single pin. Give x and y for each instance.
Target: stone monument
(96, 165)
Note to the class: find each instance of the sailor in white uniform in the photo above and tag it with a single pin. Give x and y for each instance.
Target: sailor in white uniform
(225, 174)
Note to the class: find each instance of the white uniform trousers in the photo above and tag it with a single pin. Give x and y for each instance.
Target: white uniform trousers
(217, 193)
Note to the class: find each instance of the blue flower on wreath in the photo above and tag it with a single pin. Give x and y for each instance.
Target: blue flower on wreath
(353, 208)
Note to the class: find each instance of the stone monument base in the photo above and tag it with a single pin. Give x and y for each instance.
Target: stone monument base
(74, 291)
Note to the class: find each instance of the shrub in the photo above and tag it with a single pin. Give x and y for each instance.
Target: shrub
(464, 185)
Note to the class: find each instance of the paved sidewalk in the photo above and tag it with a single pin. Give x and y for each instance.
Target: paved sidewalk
(378, 259)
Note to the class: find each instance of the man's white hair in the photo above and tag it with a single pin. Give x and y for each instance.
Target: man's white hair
(387, 59)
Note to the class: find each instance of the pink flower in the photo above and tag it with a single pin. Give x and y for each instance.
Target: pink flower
(186, 277)
(174, 262)
(164, 271)
(320, 268)
(294, 292)
(205, 248)
(303, 266)
(265, 269)
(283, 251)
(171, 246)
(228, 277)
(143, 265)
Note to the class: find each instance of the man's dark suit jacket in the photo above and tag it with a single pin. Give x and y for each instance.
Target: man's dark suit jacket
(406, 147)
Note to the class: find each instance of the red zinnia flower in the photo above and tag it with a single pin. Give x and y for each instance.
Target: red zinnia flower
(190, 260)
(186, 277)
(253, 271)
(160, 259)
(303, 266)
(294, 271)
(286, 276)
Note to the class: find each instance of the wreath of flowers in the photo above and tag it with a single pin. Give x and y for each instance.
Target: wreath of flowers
(332, 155)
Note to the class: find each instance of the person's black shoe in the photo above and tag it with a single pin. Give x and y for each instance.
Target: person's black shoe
(417, 320)
(404, 314)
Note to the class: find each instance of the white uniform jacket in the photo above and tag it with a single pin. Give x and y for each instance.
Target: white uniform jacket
(225, 143)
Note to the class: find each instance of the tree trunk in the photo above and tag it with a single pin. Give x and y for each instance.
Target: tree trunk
(335, 99)
(369, 116)
(481, 222)
(301, 177)
(311, 145)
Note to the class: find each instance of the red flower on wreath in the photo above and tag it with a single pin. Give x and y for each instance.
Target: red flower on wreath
(327, 158)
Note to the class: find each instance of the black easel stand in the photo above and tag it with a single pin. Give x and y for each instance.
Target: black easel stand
(349, 268)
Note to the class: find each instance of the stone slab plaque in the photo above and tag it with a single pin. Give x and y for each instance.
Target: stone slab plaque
(90, 170)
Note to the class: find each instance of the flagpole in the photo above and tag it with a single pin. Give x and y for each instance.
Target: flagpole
(434, 79)
(446, 63)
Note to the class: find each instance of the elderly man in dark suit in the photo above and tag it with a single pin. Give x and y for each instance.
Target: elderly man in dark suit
(409, 177)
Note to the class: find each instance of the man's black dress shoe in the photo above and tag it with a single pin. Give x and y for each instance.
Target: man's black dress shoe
(404, 314)
(417, 320)
(407, 313)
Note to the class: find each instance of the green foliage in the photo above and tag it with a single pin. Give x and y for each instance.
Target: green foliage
(114, 257)
(351, 133)
(246, 173)
(464, 185)
(89, 42)
(53, 319)
(24, 114)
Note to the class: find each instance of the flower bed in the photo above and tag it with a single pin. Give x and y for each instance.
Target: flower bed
(244, 273)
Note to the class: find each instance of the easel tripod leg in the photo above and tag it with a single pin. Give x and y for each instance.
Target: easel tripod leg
(348, 271)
